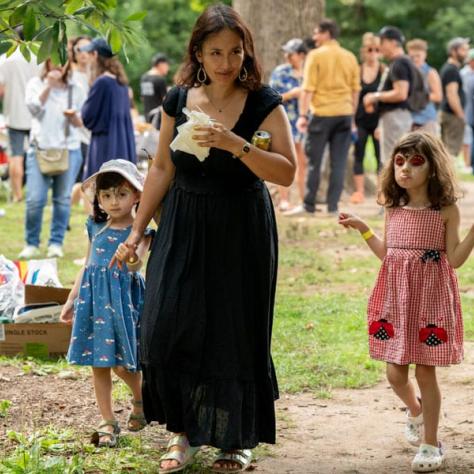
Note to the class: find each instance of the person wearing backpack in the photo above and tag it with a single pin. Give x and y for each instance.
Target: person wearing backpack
(426, 118)
(395, 86)
(451, 116)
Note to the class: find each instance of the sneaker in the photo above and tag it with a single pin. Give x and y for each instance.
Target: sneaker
(414, 428)
(28, 252)
(55, 250)
(428, 458)
(298, 211)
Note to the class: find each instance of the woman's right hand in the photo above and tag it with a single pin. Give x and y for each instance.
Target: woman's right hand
(347, 220)
(67, 313)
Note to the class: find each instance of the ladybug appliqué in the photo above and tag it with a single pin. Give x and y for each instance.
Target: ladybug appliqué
(433, 255)
(432, 335)
(381, 330)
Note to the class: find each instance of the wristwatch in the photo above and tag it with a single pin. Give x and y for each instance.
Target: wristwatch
(245, 149)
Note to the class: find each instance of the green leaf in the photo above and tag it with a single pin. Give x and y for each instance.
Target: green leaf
(12, 49)
(26, 52)
(137, 16)
(45, 47)
(84, 11)
(16, 18)
(29, 24)
(72, 6)
(5, 46)
(115, 40)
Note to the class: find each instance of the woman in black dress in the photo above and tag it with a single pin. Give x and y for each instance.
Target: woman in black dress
(211, 276)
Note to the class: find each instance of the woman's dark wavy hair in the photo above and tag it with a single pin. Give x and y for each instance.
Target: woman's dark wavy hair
(106, 181)
(443, 189)
(213, 20)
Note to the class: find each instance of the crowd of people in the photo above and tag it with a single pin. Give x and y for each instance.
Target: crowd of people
(332, 100)
(193, 339)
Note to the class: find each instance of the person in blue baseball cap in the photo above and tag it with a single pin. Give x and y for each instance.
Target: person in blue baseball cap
(106, 112)
(99, 45)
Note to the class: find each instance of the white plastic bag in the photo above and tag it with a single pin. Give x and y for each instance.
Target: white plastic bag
(12, 290)
(184, 141)
(42, 272)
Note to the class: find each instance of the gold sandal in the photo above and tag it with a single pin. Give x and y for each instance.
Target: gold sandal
(136, 422)
(183, 456)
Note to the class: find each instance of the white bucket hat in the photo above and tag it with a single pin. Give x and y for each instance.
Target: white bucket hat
(123, 167)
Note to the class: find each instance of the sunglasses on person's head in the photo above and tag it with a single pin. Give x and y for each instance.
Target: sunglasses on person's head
(413, 160)
(372, 50)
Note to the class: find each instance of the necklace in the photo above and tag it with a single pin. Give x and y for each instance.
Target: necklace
(220, 109)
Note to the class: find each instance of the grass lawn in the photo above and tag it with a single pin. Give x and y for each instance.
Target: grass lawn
(320, 336)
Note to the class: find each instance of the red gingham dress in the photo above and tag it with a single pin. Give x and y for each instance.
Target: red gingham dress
(411, 293)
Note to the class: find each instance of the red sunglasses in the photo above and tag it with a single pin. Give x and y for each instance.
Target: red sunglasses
(414, 160)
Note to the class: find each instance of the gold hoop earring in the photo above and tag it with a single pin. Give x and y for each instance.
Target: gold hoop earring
(243, 74)
(201, 75)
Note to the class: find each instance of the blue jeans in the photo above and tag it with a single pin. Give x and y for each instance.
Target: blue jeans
(37, 187)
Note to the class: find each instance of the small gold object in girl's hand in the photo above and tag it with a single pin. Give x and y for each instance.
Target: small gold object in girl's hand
(262, 139)
(132, 260)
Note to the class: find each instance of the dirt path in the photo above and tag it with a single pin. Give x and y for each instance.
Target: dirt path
(361, 431)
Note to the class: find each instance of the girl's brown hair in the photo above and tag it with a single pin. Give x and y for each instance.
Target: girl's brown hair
(443, 189)
(213, 20)
(112, 65)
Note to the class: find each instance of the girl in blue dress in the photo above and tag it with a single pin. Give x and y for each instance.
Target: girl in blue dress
(105, 302)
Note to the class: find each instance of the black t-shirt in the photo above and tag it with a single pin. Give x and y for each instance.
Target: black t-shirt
(152, 91)
(450, 73)
(398, 70)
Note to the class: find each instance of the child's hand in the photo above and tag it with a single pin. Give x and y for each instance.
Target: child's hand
(123, 254)
(67, 313)
(351, 220)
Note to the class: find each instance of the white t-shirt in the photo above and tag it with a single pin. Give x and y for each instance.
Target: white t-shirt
(49, 122)
(82, 79)
(15, 72)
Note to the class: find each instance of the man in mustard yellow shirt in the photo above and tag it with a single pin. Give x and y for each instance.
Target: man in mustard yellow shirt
(331, 84)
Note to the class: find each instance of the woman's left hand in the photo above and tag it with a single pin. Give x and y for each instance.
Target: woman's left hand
(122, 255)
(217, 136)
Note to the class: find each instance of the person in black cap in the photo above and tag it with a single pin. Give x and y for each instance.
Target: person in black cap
(286, 79)
(153, 86)
(106, 112)
(451, 116)
(392, 97)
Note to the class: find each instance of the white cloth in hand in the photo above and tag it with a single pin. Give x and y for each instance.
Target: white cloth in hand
(184, 140)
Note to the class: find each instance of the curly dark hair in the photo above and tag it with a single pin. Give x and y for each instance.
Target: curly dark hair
(443, 189)
(106, 181)
(214, 19)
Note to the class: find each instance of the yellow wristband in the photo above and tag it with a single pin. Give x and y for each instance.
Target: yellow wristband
(368, 234)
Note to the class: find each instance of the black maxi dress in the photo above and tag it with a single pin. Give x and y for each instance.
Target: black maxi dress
(210, 289)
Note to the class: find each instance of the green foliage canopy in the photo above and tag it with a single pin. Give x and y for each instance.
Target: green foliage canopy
(47, 23)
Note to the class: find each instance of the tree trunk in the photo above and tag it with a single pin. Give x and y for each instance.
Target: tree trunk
(274, 22)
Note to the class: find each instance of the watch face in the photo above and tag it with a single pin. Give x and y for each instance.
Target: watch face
(246, 148)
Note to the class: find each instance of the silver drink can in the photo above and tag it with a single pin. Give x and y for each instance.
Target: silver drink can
(262, 139)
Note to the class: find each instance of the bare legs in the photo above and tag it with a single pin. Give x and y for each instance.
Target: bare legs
(300, 176)
(102, 378)
(397, 376)
(16, 171)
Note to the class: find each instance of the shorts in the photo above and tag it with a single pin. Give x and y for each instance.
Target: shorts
(452, 132)
(17, 139)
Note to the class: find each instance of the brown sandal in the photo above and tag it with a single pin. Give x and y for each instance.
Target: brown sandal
(136, 422)
(114, 435)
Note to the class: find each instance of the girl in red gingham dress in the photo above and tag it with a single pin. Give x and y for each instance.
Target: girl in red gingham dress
(414, 311)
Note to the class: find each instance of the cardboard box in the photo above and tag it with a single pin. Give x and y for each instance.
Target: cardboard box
(37, 340)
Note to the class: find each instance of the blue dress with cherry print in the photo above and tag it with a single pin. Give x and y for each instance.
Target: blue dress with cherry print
(108, 307)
